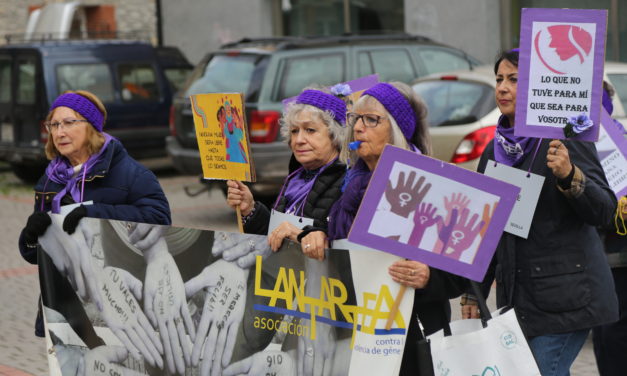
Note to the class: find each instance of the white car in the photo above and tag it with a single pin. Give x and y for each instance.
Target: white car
(463, 113)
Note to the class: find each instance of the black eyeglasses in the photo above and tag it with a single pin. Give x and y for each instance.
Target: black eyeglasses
(369, 120)
(65, 124)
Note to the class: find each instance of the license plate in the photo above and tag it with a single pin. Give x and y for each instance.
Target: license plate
(6, 132)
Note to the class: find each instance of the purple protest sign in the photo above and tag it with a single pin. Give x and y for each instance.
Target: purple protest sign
(434, 212)
(560, 71)
(356, 85)
(612, 150)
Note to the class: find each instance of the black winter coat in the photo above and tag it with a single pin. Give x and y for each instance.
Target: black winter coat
(558, 279)
(325, 191)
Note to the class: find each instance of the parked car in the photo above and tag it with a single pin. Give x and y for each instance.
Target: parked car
(269, 70)
(463, 113)
(135, 81)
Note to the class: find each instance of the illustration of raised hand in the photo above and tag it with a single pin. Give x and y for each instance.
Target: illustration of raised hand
(458, 201)
(105, 361)
(486, 217)
(405, 197)
(424, 217)
(123, 315)
(444, 231)
(464, 234)
(166, 307)
(224, 286)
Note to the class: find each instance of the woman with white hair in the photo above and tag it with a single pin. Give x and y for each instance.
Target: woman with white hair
(313, 127)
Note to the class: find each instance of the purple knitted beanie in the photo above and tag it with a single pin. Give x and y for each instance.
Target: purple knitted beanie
(397, 105)
(83, 106)
(325, 102)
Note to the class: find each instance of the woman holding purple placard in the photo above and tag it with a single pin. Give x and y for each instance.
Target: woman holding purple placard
(391, 113)
(557, 279)
(313, 127)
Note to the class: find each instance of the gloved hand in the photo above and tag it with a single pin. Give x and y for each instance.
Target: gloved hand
(36, 225)
(73, 218)
(225, 288)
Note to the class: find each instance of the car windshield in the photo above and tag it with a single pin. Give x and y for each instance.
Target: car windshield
(455, 102)
(619, 81)
(223, 74)
(95, 78)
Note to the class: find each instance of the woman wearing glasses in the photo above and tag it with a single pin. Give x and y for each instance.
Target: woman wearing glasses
(389, 113)
(88, 165)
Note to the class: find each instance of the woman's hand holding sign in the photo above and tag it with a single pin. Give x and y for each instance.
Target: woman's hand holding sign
(558, 160)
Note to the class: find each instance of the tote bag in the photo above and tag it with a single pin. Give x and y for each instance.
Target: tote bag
(498, 349)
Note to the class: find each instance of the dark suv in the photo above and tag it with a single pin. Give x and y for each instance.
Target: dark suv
(135, 80)
(269, 70)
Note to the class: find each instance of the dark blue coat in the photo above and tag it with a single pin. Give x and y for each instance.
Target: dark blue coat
(558, 279)
(120, 189)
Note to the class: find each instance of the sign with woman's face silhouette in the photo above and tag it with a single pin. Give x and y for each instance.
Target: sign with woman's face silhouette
(560, 71)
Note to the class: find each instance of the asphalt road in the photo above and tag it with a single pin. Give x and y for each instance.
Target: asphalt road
(21, 353)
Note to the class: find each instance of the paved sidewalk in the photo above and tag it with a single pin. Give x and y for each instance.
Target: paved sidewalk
(21, 353)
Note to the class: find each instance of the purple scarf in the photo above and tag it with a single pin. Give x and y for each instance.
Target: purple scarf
(60, 171)
(297, 186)
(508, 148)
(345, 209)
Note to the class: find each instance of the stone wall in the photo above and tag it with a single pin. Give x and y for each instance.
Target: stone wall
(131, 15)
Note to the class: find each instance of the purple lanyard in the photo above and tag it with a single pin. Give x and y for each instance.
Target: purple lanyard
(299, 203)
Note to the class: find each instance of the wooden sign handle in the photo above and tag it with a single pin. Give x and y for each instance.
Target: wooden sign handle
(394, 310)
(240, 225)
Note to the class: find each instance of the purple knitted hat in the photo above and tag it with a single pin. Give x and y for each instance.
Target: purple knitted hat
(83, 106)
(325, 102)
(396, 104)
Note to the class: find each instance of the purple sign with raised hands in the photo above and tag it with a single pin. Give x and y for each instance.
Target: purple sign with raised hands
(434, 212)
(560, 73)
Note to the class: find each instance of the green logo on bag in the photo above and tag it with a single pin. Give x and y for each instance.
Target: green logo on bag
(508, 340)
(490, 371)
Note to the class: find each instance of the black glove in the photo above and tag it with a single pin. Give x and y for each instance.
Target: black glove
(36, 225)
(71, 220)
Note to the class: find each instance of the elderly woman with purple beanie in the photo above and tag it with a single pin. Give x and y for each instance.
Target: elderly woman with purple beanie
(389, 113)
(88, 166)
(313, 128)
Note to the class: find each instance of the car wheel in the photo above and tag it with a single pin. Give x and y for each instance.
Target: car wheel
(28, 173)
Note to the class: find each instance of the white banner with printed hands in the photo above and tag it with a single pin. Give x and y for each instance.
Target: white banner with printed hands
(500, 349)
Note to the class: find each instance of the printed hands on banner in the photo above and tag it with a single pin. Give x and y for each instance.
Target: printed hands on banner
(241, 250)
(100, 361)
(223, 284)
(166, 306)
